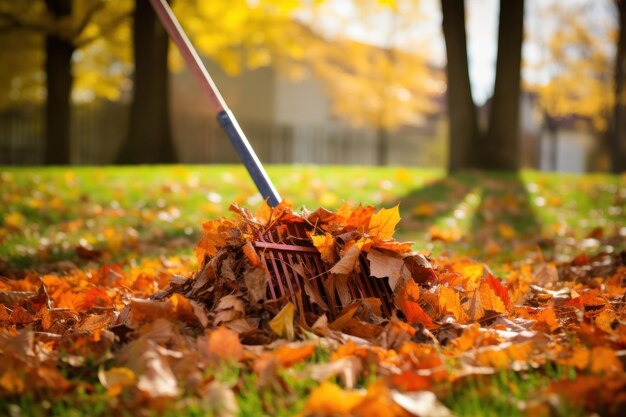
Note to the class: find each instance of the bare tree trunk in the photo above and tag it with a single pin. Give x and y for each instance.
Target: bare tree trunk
(461, 110)
(618, 136)
(502, 146)
(149, 138)
(58, 68)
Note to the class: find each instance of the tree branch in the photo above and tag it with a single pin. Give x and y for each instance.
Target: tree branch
(104, 30)
(17, 23)
(83, 24)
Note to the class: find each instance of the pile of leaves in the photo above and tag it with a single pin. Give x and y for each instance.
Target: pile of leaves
(141, 339)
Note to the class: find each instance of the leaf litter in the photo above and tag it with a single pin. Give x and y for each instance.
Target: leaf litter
(430, 324)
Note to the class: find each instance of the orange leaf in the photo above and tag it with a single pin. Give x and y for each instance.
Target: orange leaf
(449, 301)
(415, 314)
(547, 317)
(490, 300)
(383, 224)
(411, 381)
(604, 360)
(579, 358)
(224, 344)
(500, 290)
(215, 233)
(251, 254)
(290, 355)
(21, 316)
(330, 399)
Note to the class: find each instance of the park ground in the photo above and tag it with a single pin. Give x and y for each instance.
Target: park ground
(91, 240)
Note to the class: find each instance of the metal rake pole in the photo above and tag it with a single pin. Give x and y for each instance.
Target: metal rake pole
(225, 117)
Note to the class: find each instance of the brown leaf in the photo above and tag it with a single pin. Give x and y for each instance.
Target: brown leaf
(385, 265)
(347, 262)
(256, 280)
(157, 378)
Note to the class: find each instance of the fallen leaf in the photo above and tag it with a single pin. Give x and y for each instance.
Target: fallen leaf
(382, 225)
(224, 344)
(347, 262)
(325, 244)
(282, 323)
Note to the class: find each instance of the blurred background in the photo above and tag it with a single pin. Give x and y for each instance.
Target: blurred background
(484, 84)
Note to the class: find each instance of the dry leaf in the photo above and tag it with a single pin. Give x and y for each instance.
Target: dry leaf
(282, 323)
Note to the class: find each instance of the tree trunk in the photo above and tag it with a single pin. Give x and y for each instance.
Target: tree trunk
(58, 68)
(382, 146)
(149, 138)
(618, 136)
(553, 137)
(502, 146)
(461, 110)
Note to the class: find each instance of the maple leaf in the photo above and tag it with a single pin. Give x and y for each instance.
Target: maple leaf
(282, 323)
(415, 314)
(383, 224)
(215, 233)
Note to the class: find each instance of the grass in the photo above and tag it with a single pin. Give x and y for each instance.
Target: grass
(133, 212)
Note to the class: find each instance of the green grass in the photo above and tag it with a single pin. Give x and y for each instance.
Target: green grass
(133, 212)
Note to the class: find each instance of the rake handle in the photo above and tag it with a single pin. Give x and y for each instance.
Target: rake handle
(224, 116)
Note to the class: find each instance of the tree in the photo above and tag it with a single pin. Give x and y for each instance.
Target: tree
(574, 76)
(66, 26)
(618, 135)
(461, 110)
(499, 147)
(382, 86)
(149, 138)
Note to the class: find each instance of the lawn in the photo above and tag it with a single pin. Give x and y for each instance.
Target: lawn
(77, 245)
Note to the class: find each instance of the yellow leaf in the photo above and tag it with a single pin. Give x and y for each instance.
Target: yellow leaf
(326, 245)
(383, 224)
(282, 323)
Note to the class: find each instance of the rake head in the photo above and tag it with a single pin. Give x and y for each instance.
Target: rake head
(295, 271)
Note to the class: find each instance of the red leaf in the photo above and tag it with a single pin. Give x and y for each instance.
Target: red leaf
(500, 290)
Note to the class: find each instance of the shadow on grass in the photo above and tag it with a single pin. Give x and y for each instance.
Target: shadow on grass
(483, 207)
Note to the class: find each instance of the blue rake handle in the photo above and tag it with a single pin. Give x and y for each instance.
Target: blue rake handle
(225, 117)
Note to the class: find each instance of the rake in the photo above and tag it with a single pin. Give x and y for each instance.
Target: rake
(277, 252)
